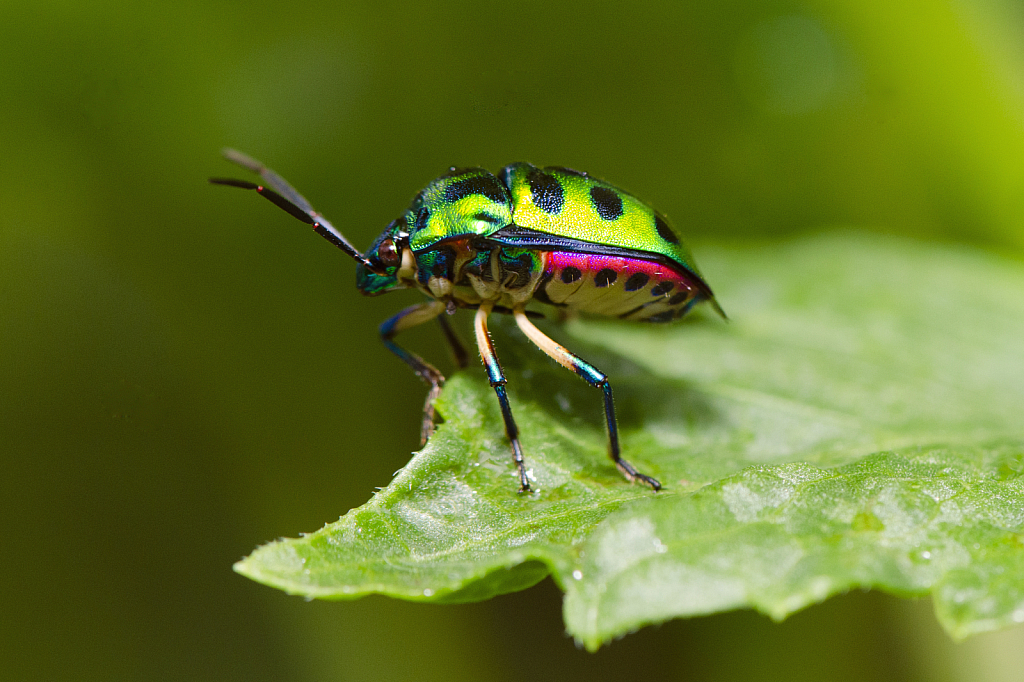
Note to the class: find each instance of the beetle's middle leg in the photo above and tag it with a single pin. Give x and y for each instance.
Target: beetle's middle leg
(410, 317)
(497, 379)
(595, 378)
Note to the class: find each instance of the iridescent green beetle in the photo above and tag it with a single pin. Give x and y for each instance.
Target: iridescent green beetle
(495, 243)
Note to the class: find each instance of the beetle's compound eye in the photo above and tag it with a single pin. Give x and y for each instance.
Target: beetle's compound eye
(387, 254)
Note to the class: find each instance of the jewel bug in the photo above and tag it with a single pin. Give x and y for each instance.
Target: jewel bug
(495, 243)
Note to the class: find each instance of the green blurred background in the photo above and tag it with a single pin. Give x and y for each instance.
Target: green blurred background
(186, 372)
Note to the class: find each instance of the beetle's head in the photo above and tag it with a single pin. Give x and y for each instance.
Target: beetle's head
(386, 257)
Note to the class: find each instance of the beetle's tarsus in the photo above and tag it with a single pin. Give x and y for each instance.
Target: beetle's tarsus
(430, 417)
(653, 482)
(632, 475)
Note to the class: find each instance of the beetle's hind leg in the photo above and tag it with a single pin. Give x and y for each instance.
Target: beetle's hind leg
(411, 317)
(595, 378)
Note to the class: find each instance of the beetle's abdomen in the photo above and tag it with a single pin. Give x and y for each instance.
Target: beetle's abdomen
(616, 286)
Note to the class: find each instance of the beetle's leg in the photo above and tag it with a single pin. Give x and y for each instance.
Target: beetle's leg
(454, 343)
(595, 378)
(410, 317)
(497, 378)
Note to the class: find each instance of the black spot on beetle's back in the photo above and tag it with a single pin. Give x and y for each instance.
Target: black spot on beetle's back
(488, 218)
(421, 219)
(605, 277)
(679, 298)
(547, 192)
(662, 288)
(607, 202)
(487, 185)
(637, 281)
(571, 274)
(664, 231)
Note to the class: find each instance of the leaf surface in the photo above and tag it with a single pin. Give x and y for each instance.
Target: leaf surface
(858, 423)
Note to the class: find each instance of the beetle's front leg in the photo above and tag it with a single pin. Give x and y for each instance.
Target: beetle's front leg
(410, 317)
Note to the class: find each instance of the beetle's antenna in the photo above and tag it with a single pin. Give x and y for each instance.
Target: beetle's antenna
(284, 196)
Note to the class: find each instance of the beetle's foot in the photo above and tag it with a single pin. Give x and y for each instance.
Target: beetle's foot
(429, 425)
(430, 416)
(524, 479)
(630, 472)
(653, 482)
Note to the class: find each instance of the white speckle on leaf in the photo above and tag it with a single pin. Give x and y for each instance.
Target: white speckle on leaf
(665, 588)
(746, 504)
(428, 592)
(520, 540)
(627, 543)
(577, 574)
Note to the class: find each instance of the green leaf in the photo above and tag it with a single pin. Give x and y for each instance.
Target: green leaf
(858, 423)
